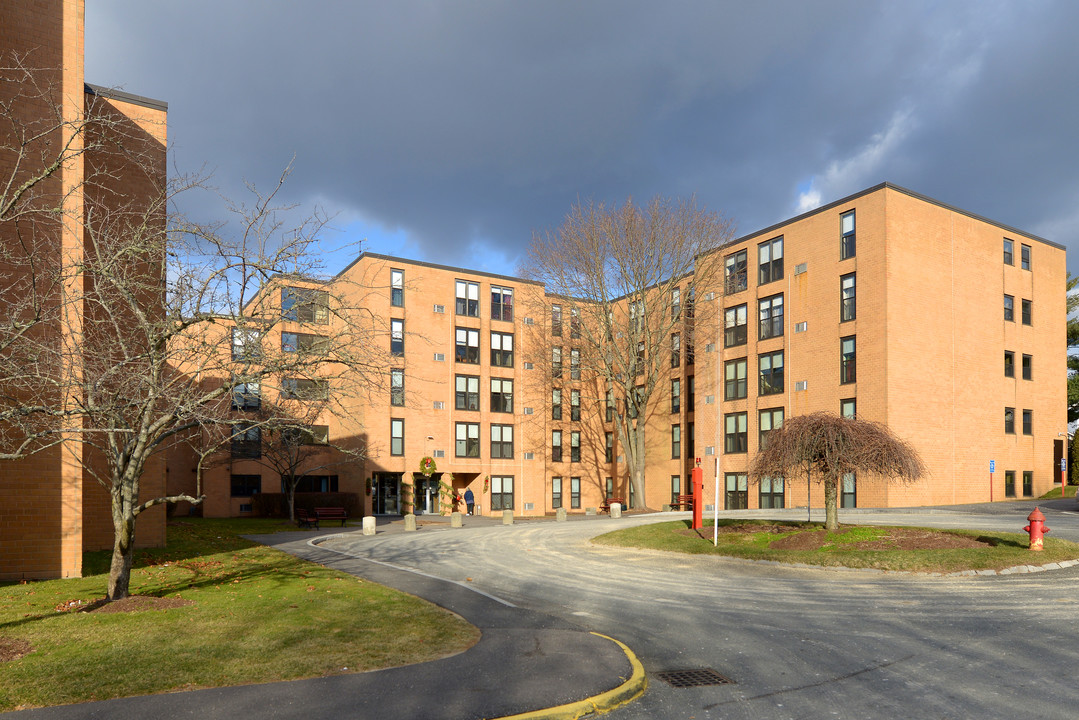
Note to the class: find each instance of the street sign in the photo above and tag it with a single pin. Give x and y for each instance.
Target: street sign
(1063, 464)
(992, 466)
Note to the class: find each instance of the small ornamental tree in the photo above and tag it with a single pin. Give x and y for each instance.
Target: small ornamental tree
(832, 446)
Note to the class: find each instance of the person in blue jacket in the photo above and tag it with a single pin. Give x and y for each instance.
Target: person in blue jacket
(470, 500)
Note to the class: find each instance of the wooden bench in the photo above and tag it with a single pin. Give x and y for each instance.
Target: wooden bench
(605, 506)
(685, 502)
(332, 513)
(305, 519)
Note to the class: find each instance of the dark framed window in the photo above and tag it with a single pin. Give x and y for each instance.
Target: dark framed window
(1009, 420)
(305, 343)
(467, 437)
(734, 386)
(245, 485)
(676, 349)
(501, 395)
(556, 403)
(397, 387)
(467, 346)
(771, 493)
(770, 255)
(734, 271)
(608, 447)
(735, 432)
(1009, 252)
(1024, 257)
(1009, 364)
(502, 349)
(1028, 312)
(1028, 367)
(501, 492)
(397, 337)
(690, 393)
(676, 442)
(574, 324)
(737, 487)
(771, 317)
(1028, 483)
(691, 447)
(847, 245)
(734, 326)
(246, 396)
(610, 405)
(467, 392)
(575, 492)
(608, 488)
(1009, 483)
(556, 321)
(847, 307)
(246, 441)
(501, 442)
(847, 360)
(575, 446)
(307, 389)
(689, 348)
(1028, 422)
(767, 421)
(848, 408)
(310, 435)
(1009, 308)
(501, 303)
(676, 302)
(397, 288)
(246, 345)
(305, 305)
(771, 373)
(468, 298)
(575, 405)
(397, 436)
(556, 446)
(676, 488)
(574, 364)
(556, 362)
(676, 395)
(556, 493)
(848, 497)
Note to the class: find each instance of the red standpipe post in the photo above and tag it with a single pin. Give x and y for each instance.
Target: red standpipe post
(698, 497)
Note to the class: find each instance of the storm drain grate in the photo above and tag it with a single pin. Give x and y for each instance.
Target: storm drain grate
(693, 678)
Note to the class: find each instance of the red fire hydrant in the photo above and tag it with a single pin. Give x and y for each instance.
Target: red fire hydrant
(1036, 528)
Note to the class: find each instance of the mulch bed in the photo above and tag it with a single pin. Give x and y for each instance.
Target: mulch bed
(13, 649)
(136, 603)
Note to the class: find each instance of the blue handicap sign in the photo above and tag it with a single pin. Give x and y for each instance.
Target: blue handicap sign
(992, 466)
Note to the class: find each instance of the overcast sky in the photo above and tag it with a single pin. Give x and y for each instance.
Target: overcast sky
(452, 131)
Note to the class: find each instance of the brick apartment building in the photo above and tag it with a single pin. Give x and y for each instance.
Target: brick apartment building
(945, 326)
(51, 508)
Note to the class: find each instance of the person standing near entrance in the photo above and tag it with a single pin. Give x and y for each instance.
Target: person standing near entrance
(470, 500)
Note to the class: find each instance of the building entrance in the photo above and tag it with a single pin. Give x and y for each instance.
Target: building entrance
(387, 500)
(425, 494)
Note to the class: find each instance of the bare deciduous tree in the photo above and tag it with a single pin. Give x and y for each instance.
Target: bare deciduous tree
(833, 446)
(631, 277)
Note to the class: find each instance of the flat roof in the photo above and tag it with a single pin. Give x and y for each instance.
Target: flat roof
(113, 94)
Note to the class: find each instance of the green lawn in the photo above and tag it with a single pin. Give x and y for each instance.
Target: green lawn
(257, 615)
(1006, 549)
(1054, 494)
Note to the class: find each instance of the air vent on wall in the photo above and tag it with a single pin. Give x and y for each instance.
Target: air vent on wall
(709, 399)
(440, 357)
(800, 327)
(440, 453)
(710, 450)
(801, 385)
(439, 405)
(528, 411)
(440, 309)
(799, 268)
(530, 456)
(528, 321)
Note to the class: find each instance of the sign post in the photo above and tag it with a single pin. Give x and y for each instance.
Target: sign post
(992, 467)
(698, 495)
(1063, 475)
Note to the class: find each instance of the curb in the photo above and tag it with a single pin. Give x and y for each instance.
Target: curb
(605, 702)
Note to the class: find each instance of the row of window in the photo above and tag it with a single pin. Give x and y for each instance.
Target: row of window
(770, 371)
(467, 393)
(467, 300)
(466, 440)
(1027, 309)
(1009, 483)
(770, 315)
(248, 395)
(247, 344)
(1027, 365)
(248, 485)
(771, 491)
(575, 492)
(1009, 421)
(305, 305)
(246, 440)
(736, 425)
(1009, 254)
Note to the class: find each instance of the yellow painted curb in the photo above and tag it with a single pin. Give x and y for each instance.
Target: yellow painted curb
(597, 704)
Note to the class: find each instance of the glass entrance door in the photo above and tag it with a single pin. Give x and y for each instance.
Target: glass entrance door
(387, 493)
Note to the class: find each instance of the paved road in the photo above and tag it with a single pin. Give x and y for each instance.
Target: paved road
(796, 643)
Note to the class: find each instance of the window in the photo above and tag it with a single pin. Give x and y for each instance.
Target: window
(849, 491)
(502, 349)
(1009, 364)
(676, 349)
(575, 446)
(246, 345)
(846, 298)
(638, 363)
(689, 393)
(734, 267)
(397, 436)
(676, 395)
(305, 305)
(770, 255)
(245, 485)
(1009, 252)
(771, 317)
(556, 446)
(501, 303)
(1028, 422)
(246, 441)
(1024, 262)
(1009, 420)
(556, 403)
(306, 389)
(310, 435)
(1009, 308)
(768, 421)
(1028, 310)
(556, 362)
(1028, 483)
(556, 321)
(608, 488)
(735, 326)
(690, 447)
(575, 405)
(846, 235)
(848, 408)
(575, 492)
(610, 405)
(467, 395)
(691, 301)
(847, 365)
(735, 436)
(608, 447)
(501, 395)
(501, 442)
(468, 298)
(676, 302)
(246, 396)
(468, 440)
(771, 373)
(397, 288)
(501, 492)
(574, 364)
(676, 442)
(771, 494)
(467, 346)
(397, 337)
(1028, 370)
(574, 323)
(676, 488)
(556, 493)
(304, 343)
(737, 486)
(689, 348)
(1009, 483)
(397, 387)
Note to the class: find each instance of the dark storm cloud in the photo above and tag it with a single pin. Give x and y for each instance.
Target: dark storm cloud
(469, 125)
